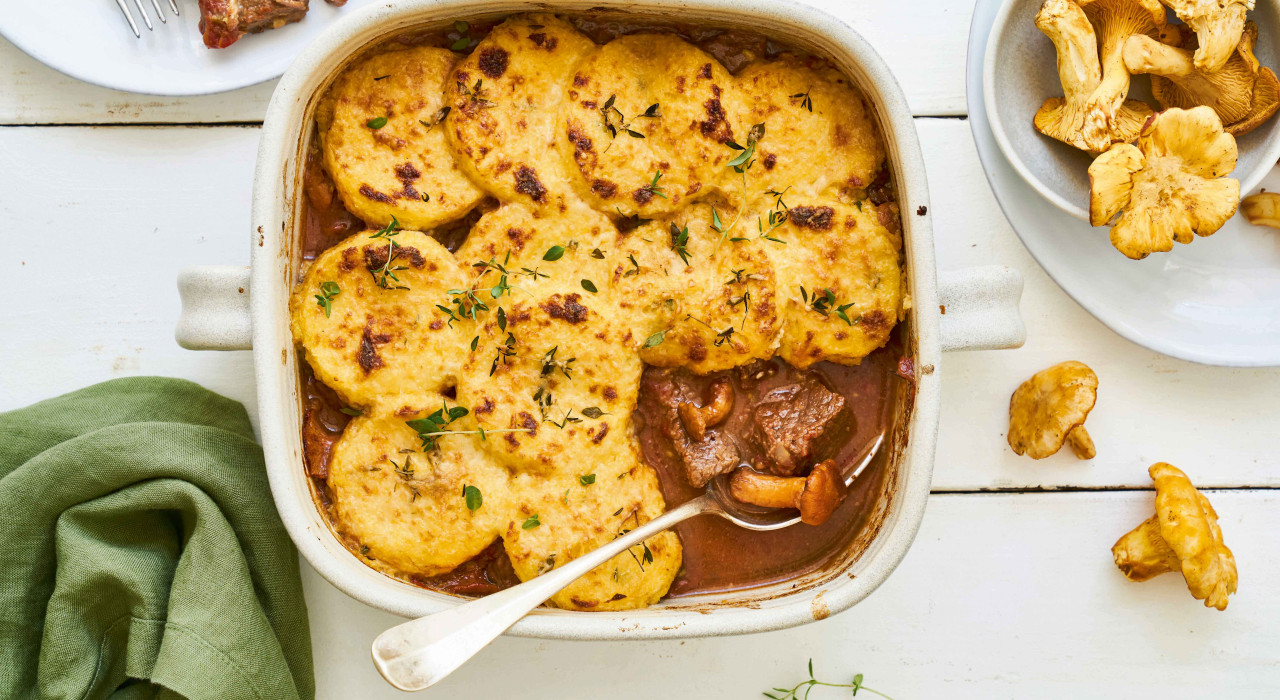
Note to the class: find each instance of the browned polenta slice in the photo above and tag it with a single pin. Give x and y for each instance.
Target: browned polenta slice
(383, 147)
(560, 517)
(552, 368)
(820, 136)
(521, 238)
(382, 346)
(644, 125)
(504, 98)
(404, 507)
(697, 298)
(840, 280)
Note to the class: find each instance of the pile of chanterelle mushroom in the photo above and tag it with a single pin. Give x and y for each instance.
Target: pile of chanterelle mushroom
(1159, 177)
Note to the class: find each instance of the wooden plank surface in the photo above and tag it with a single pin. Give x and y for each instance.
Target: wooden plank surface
(31, 93)
(1009, 595)
(125, 208)
(1002, 597)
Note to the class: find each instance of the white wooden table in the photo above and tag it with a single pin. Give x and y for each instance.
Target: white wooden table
(1009, 591)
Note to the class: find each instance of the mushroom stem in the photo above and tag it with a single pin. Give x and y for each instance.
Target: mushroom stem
(1081, 443)
(1068, 28)
(1142, 54)
(750, 486)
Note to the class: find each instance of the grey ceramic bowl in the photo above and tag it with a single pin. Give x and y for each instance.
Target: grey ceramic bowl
(1020, 73)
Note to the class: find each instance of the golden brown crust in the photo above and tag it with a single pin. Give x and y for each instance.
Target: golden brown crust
(542, 318)
(383, 144)
(505, 137)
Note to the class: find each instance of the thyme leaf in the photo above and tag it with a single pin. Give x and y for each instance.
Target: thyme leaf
(655, 339)
(473, 497)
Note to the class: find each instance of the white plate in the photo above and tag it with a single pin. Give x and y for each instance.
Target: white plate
(89, 40)
(1215, 301)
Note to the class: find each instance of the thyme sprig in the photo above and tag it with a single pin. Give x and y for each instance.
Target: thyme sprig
(680, 242)
(722, 336)
(805, 101)
(809, 685)
(550, 364)
(429, 429)
(385, 276)
(777, 217)
(506, 351)
(328, 290)
(741, 164)
(654, 188)
(475, 93)
(615, 120)
(824, 302)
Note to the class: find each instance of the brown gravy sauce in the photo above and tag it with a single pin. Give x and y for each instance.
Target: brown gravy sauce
(718, 556)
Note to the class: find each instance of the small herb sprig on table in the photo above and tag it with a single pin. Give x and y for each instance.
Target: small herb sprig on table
(809, 685)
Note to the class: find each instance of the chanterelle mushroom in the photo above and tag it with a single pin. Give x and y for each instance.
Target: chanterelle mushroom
(1091, 115)
(1262, 209)
(1233, 91)
(1169, 186)
(1050, 408)
(1183, 536)
(1114, 21)
(816, 496)
(1217, 24)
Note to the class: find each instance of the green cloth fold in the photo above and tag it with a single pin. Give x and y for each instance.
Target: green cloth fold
(141, 555)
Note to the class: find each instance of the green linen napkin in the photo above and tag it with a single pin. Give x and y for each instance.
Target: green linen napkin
(141, 555)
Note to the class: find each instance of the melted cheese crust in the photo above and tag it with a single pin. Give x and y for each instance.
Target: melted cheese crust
(403, 168)
(584, 255)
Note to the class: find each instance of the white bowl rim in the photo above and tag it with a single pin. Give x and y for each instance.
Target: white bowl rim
(1248, 181)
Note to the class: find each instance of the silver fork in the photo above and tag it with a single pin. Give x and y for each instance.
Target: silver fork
(128, 16)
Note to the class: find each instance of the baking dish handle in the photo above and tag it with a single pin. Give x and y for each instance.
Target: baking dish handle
(979, 308)
(215, 308)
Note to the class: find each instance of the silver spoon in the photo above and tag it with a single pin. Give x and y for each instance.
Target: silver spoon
(422, 652)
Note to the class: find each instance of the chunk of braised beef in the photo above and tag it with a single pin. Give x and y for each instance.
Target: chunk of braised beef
(790, 421)
(702, 460)
(223, 22)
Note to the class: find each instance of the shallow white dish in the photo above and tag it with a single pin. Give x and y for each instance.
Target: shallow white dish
(1020, 71)
(90, 41)
(1214, 301)
(234, 308)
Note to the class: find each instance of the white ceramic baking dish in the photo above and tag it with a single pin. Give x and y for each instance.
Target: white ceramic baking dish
(229, 308)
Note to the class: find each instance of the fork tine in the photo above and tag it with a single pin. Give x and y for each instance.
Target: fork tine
(143, 11)
(159, 12)
(124, 9)
(173, 5)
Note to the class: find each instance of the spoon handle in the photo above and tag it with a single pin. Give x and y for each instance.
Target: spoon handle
(419, 653)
